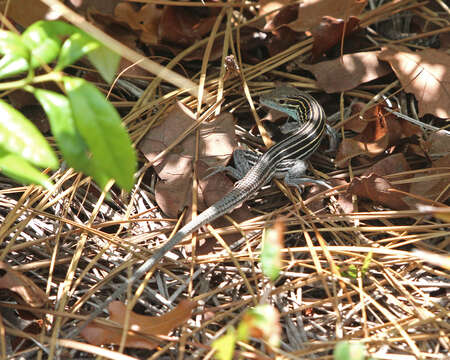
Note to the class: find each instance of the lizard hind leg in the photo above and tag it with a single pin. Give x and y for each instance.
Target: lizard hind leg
(295, 175)
(244, 160)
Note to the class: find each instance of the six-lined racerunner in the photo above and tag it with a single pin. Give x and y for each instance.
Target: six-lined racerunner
(283, 160)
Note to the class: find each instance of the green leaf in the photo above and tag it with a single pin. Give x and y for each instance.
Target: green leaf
(101, 128)
(11, 44)
(351, 272)
(225, 345)
(105, 61)
(75, 47)
(243, 331)
(68, 138)
(21, 170)
(11, 64)
(263, 321)
(345, 350)
(43, 38)
(271, 253)
(16, 54)
(366, 263)
(19, 136)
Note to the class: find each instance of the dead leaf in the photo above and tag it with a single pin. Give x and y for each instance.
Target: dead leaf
(425, 74)
(438, 143)
(311, 12)
(329, 33)
(376, 188)
(345, 202)
(17, 282)
(274, 19)
(184, 26)
(142, 327)
(434, 188)
(25, 18)
(355, 123)
(283, 38)
(217, 143)
(392, 164)
(381, 131)
(119, 30)
(349, 71)
(105, 7)
(318, 204)
(174, 191)
(145, 20)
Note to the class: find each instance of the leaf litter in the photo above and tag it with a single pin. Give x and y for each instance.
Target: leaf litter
(80, 246)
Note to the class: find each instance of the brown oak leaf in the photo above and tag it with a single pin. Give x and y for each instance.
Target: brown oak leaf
(217, 142)
(393, 164)
(435, 189)
(347, 72)
(329, 33)
(311, 12)
(381, 131)
(174, 191)
(142, 327)
(145, 20)
(274, 18)
(376, 188)
(184, 26)
(424, 73)
(16, 282)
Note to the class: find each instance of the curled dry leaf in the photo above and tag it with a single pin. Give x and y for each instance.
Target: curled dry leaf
(329, 33)
(311, 12)
(142, 327)
(17, 282)
(372, 184)
(348, 71)
(275, 19)
(376, 188)
(145, 20)
(356, 123)
(393, 164)
(425, 74)
(381, 131)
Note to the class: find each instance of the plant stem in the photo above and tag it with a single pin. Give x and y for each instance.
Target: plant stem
(52, 76)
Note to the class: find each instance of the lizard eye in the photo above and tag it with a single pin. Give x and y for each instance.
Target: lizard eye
(281, 101)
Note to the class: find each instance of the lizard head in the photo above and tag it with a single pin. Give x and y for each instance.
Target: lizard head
(290, 101)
